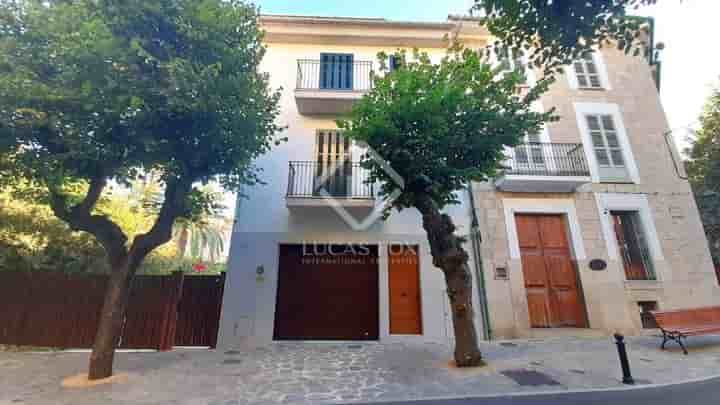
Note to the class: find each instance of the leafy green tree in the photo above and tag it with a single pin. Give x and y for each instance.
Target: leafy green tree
(100, 91)
(441, 126)
(704, 171)
(556, 32)
(33, 239)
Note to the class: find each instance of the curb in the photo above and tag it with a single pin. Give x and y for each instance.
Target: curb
(547, 392)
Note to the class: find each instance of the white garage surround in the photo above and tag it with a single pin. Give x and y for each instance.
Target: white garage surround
(249, 303)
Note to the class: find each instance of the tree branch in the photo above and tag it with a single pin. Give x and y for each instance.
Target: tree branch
(79, 217)
(174, 206)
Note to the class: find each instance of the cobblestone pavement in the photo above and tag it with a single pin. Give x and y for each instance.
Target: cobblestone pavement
(350, 372)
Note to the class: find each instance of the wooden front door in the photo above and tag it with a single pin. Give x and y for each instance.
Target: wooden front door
(551, 282)
(404, 280)
(327, 292)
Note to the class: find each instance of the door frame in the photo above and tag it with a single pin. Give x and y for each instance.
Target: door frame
(547, 206)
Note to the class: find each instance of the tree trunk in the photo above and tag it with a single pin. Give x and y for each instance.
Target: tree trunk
(450, 256)
(123, 262)
(111, 320)
(182, 242)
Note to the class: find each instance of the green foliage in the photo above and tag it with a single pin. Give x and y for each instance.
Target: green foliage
(556, 32)
(101, 91)
(704, 165)
(203, 231)
(439, 126)
(704, 171)
(33, 239)
(113, 87)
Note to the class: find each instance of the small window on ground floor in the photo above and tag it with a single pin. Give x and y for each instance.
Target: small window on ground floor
(646, 307)
(632, 245)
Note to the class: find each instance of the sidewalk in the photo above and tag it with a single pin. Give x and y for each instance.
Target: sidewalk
(350, 372)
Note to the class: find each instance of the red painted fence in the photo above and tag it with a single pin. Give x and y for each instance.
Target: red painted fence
(62, 310)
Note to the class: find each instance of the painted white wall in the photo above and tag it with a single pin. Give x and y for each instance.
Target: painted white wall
(263, 222)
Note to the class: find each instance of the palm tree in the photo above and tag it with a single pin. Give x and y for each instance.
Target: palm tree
(204, 238)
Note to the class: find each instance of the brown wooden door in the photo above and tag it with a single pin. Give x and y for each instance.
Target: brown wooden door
(327, 296)
(553, 293)
(404, 281)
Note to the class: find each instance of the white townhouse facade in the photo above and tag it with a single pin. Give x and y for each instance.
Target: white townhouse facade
(590, 226)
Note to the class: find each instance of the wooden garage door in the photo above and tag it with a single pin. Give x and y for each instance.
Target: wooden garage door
(327, 296)
(553, 293)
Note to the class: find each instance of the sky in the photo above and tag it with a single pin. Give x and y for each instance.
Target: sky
(688, 28)
(691, 63)
(403, 10)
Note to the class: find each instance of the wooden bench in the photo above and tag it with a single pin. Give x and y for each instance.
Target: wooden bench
(678, 324)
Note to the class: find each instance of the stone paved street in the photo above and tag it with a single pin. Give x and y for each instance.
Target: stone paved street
(350, 372)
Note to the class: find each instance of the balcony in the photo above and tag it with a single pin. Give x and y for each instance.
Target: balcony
(328, 184)
(544, 167)
(330, 86)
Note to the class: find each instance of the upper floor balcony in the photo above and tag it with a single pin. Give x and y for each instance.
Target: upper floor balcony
(544, 167)
(331, 84)
(329, 183)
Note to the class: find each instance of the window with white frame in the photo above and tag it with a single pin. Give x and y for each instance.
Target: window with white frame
(606, 147)
(510, 62)
(632, 244)
(587, 72)
(606, 143)
(630, 235)
(529, 155)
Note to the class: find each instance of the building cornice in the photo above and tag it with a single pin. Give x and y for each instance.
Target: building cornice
(352, 21)
(368, 31)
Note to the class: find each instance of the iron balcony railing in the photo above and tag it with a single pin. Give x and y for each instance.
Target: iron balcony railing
(332, 75)
(547, 159)
(339, 179)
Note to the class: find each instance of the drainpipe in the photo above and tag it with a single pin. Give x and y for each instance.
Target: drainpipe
(476, 239)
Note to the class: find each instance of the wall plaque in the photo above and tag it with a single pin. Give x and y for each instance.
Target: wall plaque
(598, 264)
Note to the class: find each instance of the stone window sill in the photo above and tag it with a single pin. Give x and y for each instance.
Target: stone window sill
(643, 285)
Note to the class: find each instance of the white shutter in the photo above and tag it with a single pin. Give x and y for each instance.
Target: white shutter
(605, 141)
